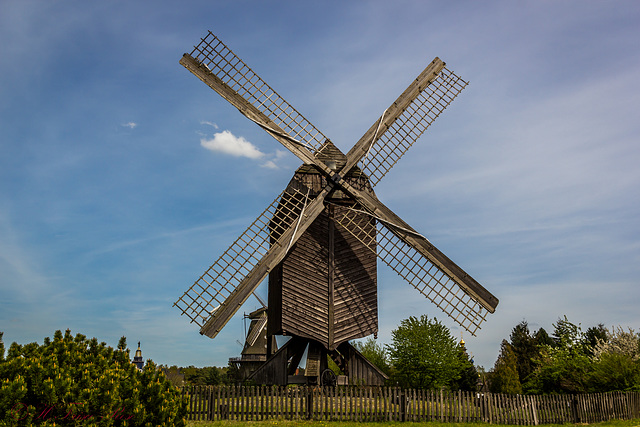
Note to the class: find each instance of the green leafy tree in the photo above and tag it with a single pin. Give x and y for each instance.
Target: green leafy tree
(616, 362)
(424, 354)
(174, 375)
(209, 375)
(504, 376)
(75, 381)
(375, 353)
(614, 372)
(565, 366)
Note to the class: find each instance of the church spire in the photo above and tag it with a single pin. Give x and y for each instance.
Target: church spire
(137, 359)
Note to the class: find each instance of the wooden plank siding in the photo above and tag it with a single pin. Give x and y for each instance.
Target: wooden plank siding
(355, 287)
(378, 403)
(325, 289)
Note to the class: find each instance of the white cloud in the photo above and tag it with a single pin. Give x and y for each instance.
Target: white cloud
(130, 125)
(208, 123)
(228, 143)
(280, 154)
(270, 165)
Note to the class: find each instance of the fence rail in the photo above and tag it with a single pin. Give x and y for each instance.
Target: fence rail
(396, 404)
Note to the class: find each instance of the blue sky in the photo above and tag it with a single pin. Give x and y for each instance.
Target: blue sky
(111, 204)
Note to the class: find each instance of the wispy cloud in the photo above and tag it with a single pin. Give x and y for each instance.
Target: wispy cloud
(270, 164)
(208, 123)
(227, 143)
(274, 162)
(130, 125)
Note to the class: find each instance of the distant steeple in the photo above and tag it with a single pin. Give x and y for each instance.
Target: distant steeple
(464, 348)
(137, 359)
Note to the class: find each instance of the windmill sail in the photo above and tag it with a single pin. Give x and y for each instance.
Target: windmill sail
(443, 289)
(269, 232)
(406, 120)
(237, 83)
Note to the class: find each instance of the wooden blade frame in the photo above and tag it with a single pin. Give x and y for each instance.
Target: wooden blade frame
(406, 120)
(220, 292)
(216, 296)
(429, 277)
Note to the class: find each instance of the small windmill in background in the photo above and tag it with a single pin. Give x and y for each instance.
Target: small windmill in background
(320, 239)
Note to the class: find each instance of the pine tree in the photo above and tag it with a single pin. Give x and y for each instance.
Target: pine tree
(504, 376)
(74, 381)
(542, 338)
(525, 350)
(468, 373)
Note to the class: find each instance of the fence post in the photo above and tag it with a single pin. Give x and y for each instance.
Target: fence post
(574, 409)
(403, 405)
(309, 402)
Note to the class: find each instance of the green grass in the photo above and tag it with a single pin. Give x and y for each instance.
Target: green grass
(286, 423)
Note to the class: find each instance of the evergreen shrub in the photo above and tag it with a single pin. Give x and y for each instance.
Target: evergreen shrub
(76, 381)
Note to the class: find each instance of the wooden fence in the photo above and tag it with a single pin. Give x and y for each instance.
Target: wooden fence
(395, 404)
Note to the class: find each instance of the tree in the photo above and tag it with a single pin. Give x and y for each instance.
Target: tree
(616, 362)
(614, 372)
(568, 335)
(594, 336)
(468, 380)
(618, 341)
(541, 338)
(233, 374)
(563, 367)
(209, 375)
(122, 344)
(504, 376)
(375, 353)
(525, 349)
(76, 381)
(424, 354)
(174, 375)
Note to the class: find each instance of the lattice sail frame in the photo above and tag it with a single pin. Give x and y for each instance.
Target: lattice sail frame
(393, 143)
(231, 70)
(437, 286)
(203, 298)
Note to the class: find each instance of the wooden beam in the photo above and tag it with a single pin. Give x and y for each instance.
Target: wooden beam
(273, 257)
(392, 113)
(423, 246)
(331, 278)
(252, 113)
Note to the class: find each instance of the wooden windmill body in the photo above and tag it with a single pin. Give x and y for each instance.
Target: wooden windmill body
(320, 239)
(326, 287)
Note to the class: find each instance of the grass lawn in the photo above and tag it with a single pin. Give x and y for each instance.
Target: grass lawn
(285, 423)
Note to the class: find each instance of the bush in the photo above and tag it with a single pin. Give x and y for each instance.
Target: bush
(75, 381)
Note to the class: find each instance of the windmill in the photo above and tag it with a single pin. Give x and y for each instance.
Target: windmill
(319, 240)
